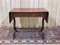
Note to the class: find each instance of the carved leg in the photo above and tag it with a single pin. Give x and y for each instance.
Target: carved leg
(42, 25)
(15, 25)
(14, 28)
(42, 33)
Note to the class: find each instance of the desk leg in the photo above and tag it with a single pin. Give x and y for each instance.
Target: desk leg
(14, 28)
(42, 28)
(14, 24)
(42, 25)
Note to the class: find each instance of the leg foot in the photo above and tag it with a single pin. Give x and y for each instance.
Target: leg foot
(43, 36)
(14, 36)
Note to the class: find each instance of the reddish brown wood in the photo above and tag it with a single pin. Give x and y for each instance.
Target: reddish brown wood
(28, 12)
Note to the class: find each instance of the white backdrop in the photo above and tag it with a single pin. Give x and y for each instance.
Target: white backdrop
(51, 5)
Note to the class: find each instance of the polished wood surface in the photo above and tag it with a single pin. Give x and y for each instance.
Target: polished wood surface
(28, 12)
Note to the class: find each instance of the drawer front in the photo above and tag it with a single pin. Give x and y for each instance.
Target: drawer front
(29, 14)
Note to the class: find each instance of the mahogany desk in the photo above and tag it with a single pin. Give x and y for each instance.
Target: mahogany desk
(28, 12)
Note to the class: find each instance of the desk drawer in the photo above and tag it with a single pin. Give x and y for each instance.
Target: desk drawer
(37, 14)
(29, 14)
(16, 14)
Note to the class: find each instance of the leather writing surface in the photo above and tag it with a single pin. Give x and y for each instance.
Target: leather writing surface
(28, 10)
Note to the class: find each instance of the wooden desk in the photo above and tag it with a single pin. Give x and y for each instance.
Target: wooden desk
(28, 12)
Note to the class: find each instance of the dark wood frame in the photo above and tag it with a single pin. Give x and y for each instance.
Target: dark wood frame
(44, 16)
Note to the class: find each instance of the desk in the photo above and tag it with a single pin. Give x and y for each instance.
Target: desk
(28, 12)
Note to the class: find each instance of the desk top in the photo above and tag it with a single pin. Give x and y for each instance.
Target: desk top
(15, 12)
(28, 10)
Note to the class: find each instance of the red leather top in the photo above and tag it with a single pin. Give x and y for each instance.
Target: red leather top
(28, 10)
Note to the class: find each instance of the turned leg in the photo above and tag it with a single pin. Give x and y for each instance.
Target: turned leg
(42, 33)
(15, 25)
(42, 24)
(14, 28)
